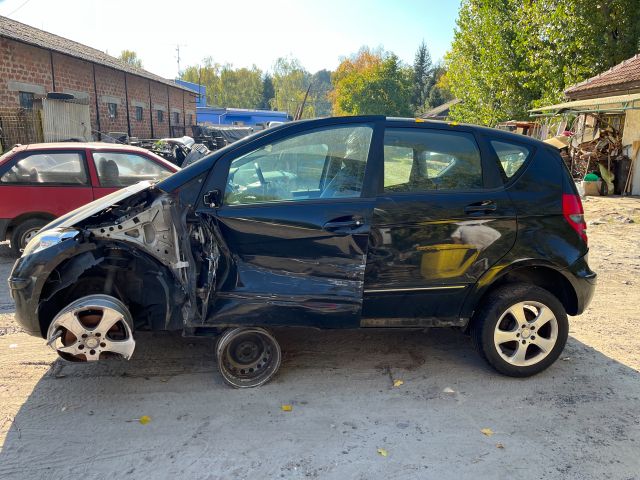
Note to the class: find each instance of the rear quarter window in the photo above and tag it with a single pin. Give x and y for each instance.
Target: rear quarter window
(512, 156)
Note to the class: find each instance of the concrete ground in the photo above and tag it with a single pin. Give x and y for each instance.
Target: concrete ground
(580, 419)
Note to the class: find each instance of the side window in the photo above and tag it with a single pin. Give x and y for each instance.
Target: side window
(119, 169)
(54, 168)
(511, 156)
(323, 163)
(422, 160)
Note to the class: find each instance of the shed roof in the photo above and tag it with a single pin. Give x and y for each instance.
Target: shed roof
(622, 78)
(617, 103)
(27, 34)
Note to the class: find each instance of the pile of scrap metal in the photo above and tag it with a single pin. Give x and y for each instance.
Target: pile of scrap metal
(218, 136)
(181, 151)
(595, 150)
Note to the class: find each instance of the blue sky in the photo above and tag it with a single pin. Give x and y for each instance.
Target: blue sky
(244, 32)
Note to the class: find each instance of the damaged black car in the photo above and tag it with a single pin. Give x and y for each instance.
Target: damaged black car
(352, 222)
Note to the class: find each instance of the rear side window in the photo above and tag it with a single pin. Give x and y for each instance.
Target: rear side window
(116, 169)
(55, 168)
(421, 160)
(511, 156)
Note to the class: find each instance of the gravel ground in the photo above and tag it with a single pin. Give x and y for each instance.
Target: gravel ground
(578, 420)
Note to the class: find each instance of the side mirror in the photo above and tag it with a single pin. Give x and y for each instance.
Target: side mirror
(212, 198)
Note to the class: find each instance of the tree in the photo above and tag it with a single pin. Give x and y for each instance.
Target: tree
(130, 57)
(226, 86)
(268, 92)
(440, 90)
(320, 90)
(290, 82)
(509, 56)
(372, 82)
(422, 78)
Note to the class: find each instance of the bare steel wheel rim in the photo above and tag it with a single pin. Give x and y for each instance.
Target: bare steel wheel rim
(526, 333)
(92, 328)
(248, 357)
(27, 236)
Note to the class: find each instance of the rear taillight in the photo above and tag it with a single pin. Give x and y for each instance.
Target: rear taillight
(574, 214)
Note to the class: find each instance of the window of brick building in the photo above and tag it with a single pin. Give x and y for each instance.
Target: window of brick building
(139, 114)
(160, 116)
(26, 100)
(176, 118)
(113, 110)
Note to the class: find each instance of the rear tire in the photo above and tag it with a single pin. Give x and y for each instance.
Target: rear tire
(520, 329)
(23, 232)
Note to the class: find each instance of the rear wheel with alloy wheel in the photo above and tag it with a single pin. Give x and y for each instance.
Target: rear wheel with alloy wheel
(520, 329)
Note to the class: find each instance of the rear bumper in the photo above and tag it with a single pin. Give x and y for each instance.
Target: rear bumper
(583, 280)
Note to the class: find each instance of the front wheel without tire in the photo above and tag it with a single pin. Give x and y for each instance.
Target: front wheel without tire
(247, 356)
(520, 329)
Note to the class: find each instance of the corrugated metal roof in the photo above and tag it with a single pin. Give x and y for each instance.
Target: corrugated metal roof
(615, 103)
(623, 74)
(27, 34)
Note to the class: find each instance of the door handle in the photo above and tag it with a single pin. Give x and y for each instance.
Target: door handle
(343, 223)
(486, 206)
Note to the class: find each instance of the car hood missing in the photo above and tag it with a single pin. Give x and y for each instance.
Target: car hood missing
(72, 218)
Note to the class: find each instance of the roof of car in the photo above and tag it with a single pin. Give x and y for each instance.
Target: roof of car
(95, 146)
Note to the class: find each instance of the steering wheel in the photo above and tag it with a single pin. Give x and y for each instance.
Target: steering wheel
(259, 173)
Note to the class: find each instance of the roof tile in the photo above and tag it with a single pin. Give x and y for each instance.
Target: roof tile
(622, 74)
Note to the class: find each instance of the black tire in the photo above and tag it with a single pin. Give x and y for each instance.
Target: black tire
(484, 329)
(23, 232)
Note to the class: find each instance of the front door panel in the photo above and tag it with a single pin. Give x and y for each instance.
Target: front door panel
(290, 268)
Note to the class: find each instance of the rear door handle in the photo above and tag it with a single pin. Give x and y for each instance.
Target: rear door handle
(486, 206)
(343, 224)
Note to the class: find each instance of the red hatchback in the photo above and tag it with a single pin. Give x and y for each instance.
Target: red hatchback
(42, 181)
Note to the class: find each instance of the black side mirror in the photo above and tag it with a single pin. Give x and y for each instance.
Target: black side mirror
(212, 198)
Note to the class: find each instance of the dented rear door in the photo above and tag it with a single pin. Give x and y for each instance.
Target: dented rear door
(293, 227)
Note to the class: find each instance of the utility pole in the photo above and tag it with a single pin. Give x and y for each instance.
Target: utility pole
(178, 45)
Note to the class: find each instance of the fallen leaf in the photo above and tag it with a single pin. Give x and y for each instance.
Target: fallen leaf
(448, 390)
(383, 452)
(487, 431)
(397, 383)
(144, 419)
(499, 445)
(287, 408)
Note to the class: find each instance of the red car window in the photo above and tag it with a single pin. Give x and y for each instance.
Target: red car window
(120, 169)
(51, 168)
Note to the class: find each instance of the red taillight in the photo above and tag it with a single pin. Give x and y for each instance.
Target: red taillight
(574, 214)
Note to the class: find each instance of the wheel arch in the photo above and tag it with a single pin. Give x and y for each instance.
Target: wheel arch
(47, 217)
(140, 281)
(544, 275)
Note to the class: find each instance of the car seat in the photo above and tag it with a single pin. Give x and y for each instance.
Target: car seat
(109, 173)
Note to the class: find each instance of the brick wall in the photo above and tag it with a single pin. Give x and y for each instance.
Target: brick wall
(138, 89)
(110, 88)
(22, 66)
(75, 76)
(27, 68)
(160, 102)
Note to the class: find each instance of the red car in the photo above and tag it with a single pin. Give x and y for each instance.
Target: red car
(43, 181)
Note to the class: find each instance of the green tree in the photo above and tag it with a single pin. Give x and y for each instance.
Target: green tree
(422, 78)
(320, 90)
(290, 82)
(508, 56)
(130, 57)
(227, 86)
(439, 91)
(372, 82)
(268, 92)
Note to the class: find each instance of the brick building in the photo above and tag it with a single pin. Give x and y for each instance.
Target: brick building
(121, 97)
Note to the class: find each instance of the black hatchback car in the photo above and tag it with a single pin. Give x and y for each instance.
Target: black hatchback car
(352, 222)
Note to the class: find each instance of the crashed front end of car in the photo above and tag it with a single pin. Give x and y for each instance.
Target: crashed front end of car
(68, 284)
